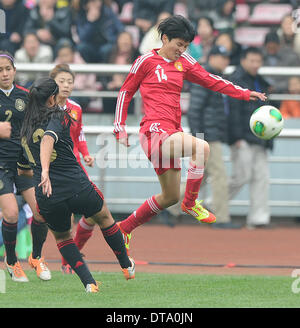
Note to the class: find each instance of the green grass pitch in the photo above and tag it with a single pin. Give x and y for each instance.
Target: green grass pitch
(150, 290)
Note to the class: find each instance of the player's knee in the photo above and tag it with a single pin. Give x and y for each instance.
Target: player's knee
(62, 236)
(172, 199)
(201, 152)
(11, 216)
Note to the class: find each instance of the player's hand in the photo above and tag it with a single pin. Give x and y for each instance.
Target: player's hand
(46, 184)
(89, 160)
(5, 130)
(123, 141)
(254, 95)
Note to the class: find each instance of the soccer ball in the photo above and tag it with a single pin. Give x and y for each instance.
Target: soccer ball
(266, 122)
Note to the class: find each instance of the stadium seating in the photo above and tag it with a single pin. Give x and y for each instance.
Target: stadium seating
(242, 13)
(251, 36)
(269, 13)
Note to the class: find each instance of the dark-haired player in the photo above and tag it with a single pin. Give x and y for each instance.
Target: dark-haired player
(159, 76)
(61, 185)
(13, 99)
(64, 78)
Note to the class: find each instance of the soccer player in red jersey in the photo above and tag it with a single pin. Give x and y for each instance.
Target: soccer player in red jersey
(64, 78)
(159, 75)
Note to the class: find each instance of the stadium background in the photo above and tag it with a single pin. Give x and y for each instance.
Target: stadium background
(271, 250)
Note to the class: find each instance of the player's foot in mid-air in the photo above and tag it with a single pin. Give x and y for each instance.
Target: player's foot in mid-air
(199, 212)
(129, 273)
(126, 237)
(40, 266)
(16, 272)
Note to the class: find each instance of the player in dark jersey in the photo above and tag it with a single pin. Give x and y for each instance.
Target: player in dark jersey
(13, 99)
(62, 187)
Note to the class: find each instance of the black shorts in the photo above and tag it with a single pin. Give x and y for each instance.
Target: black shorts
(11, 182)
(58, 217)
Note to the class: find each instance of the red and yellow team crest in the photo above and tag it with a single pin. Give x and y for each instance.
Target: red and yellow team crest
(74, 114)
(178, 66)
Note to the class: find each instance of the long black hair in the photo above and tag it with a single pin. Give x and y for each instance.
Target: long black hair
(36, 111)
(177, 27)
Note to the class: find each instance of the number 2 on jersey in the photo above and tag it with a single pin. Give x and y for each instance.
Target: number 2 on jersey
(37, 135)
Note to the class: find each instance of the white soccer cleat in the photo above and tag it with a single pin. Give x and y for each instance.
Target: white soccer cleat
(129, 273)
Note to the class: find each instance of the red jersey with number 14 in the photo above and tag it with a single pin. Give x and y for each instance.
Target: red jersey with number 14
(160, 82)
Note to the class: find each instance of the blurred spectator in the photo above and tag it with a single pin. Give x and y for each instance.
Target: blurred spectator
(223, 16)
(291, 108)
(121, 3)
(152, 39)
(235, 49)
(66, 54)
(32, 51)
(51, 24)
(199, 8)
(98, 28)
(207, 115)
(15, 14)
(123, 53)
(288, 37)
(275, 55)
(203, 41)
(248, 153)
(145, 13)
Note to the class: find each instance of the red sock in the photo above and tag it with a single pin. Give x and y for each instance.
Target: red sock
(142, 215)
(83, 232)
(194, 179)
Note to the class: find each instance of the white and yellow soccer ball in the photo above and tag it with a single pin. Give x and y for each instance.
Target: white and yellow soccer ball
(266, 122)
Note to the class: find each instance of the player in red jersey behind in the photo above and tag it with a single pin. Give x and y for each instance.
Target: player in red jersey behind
(159, 75)
(64, 78)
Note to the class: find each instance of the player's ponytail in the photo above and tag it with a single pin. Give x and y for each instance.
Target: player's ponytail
(36, 111)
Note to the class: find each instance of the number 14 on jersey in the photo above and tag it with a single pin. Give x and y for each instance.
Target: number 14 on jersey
(160, 74)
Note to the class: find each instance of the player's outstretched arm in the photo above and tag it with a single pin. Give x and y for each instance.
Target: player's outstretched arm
(254, 95)
(46, 149)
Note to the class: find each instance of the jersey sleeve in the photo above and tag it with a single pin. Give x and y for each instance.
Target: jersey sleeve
(82, 145)
(126, 93)
(55, 128)
(81, 141)
(197, 74)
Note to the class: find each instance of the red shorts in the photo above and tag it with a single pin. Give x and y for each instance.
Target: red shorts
(152, 136)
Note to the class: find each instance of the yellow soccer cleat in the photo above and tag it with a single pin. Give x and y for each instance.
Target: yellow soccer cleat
(126, 237)
(199, 212)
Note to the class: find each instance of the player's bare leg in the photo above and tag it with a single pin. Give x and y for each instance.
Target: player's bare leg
(184, 145)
